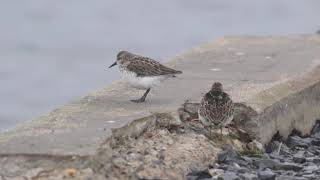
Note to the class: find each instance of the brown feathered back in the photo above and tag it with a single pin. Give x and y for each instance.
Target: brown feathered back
(144, 66)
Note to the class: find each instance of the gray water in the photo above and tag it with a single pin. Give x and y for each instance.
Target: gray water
(53, 51)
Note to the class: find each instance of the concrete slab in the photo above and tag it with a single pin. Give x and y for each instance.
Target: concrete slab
(246, 66)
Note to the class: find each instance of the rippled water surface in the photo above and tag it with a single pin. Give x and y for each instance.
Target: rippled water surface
(53, 51)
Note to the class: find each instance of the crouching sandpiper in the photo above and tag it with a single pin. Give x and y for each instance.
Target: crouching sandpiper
(142, 72)
(216, 108)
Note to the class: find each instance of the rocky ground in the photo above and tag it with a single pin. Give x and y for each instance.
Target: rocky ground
(297, 158)
(162, 146)
(177, 146)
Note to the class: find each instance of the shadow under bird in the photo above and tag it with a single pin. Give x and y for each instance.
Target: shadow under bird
(142, 72)
(216, 108)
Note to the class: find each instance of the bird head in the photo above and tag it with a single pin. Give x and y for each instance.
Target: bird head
(217, 86)
(121, 57)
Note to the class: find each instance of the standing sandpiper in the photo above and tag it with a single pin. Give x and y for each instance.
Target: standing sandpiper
(142, 72)
(216, 108)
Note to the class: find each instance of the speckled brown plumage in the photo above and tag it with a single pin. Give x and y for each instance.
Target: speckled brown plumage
(216, 107)
(144, 66)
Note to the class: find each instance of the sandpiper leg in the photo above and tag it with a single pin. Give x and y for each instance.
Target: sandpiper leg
(143, 98)
(229, 131)
(220, 132)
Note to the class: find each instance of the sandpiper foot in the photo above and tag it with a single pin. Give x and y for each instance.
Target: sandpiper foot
(138, 100)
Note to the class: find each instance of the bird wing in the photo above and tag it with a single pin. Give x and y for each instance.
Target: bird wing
(144, 66)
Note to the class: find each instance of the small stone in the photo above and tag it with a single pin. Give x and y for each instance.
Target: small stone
(311, 152)
(161, 155)
(285, 177)
(248, 176)
(228, 155)
(119, 162)
(316, 127)
(316, 160)
(236, 168)
(299, 158)
(70, 172)
(236, 165)
(191, 108)
(194, 175)
(267, 163)
(247, 159)
(31, 173)
(266, 174)
(290, 167)
(184, 116)
(309, 176)
(243, 163)
(296, 141)
(307, 172)
(273, 146)
(255, 146)
(311, 168)
(231, 176)
(278, 157)
(315, 142)
(216, 172)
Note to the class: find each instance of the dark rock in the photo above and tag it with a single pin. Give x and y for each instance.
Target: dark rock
(310, 176)
(316, 135)
(311, 168)
(316, 160)
(266, 174)
(224, 167)
(309, 164)
(290, 167)
(311, 151)
(285, 177)
(231, 176)
(278, 157)
(273, 146)
(249, 176)
(296, 141)
(267, 163)
(299, 160)
(296, 159)
(243, 163)
(318, 32)
(216, 178)
(197, 175)
(234, 167)
(299, 157)
(305, 172)
(228, 155)
(247, 159)
(315, 142)
(316, 127)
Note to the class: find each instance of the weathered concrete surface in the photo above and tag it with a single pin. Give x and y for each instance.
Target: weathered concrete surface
(294, 104)
(246, 65)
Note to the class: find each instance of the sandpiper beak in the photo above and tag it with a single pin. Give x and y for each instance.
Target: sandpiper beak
(113, 65)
